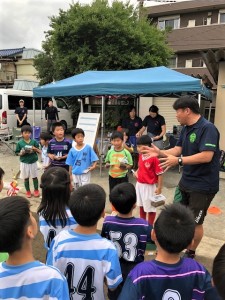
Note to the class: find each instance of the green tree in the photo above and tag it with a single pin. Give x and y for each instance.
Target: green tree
(99, 37)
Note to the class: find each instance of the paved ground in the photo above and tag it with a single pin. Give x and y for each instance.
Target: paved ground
(214, 225)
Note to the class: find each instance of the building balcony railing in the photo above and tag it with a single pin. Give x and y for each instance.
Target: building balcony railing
(197, 38)
(7, 76)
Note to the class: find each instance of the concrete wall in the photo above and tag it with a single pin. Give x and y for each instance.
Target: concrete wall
(145, 103)
(220, 105)
(26, 70)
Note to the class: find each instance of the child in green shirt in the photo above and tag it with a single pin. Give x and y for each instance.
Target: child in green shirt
(118, 160)
(27, 149)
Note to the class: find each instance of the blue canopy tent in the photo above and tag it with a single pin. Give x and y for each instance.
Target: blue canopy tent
(152, 82)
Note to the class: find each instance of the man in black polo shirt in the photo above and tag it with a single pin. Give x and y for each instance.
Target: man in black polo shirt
(21, 114)
(51, 115)
(197, 151)
(156, 126)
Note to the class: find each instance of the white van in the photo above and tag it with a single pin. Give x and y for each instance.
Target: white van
(9, 100)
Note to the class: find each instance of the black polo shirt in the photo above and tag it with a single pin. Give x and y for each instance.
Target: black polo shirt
(21, 111)
(154, 124)
(134, 125)
(202, 136)
(51, 113)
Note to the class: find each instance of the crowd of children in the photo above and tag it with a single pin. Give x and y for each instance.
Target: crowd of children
(79, 260)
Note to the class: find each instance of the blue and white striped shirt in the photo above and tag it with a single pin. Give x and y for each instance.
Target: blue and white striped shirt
(49, 232)
(85, 259)
(33, 280)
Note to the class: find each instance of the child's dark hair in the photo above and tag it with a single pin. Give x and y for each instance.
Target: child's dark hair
(2, 173)
(76, 131)
(45, 136)
(14, 218)
(26, 128)
(174, 228)
(154, 109)
(55, 184)
(218, 271)
(130, 108)
(87, 204)
(57, 124)
(144, 140)
(126, 131)
(123, 197)
(187, 101)
(117, 135)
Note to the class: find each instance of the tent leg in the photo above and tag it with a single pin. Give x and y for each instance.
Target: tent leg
(137, 104)
(81, 104)
(199, 99)
(33, 117)
(102, 134)
(210, 109)
(42, 113)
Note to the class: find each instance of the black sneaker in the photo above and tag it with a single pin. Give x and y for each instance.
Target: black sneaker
(189, 254)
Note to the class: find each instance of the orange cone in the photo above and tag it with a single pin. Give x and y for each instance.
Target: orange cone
(214, 210)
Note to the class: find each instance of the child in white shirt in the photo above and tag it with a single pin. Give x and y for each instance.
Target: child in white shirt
(44, 140)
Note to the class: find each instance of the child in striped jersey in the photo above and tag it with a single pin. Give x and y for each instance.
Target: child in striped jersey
(129, 234)
(169, 276)
(86, 259)
(21, 277)
(54, 214)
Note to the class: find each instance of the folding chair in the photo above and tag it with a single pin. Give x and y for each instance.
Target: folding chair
(5, 137)
(11, 139)
(16, 133)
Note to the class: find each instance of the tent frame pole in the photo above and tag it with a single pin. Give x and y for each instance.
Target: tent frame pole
(210, 110)
(102, 134)
(199, 99)
(33, 118)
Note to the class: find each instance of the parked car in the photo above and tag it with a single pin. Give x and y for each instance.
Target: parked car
(9, 100)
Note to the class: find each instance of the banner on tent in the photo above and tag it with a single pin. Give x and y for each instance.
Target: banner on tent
(89, 122)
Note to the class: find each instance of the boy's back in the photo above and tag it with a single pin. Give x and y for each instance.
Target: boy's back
(130, 236)
(32, 280)
(49, 231)
(184, 280)
(85, 259)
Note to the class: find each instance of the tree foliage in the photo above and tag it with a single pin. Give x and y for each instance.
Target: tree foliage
(99, 37)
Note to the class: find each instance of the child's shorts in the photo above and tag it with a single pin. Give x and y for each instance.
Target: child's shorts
(80, 180)
(28, 170)
(144, 191)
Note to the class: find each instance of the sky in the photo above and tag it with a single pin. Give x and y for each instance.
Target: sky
(23, 22)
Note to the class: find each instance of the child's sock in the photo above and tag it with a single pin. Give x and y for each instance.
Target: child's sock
(27, 185)
(142, 213)
(151, 217)
(35, 183)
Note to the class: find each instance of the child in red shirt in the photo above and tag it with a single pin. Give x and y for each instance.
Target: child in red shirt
(149, 180)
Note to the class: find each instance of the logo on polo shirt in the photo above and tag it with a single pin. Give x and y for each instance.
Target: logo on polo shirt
(192, 137)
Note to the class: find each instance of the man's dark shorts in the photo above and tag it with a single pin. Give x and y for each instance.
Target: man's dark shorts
(198, 203)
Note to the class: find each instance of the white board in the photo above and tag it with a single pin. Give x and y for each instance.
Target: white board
(89, 123)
